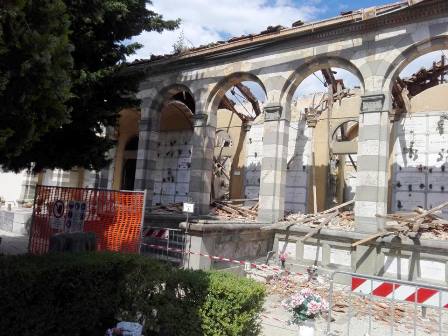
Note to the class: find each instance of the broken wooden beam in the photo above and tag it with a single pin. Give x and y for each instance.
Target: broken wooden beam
(321, 225)
(371, 237)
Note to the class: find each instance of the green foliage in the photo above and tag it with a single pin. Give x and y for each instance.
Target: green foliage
(232, 307)
(180, 46)
(90, 96)
(35, 67)
(84, 294)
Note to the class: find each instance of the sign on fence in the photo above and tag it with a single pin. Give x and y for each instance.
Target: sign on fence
(114, 216)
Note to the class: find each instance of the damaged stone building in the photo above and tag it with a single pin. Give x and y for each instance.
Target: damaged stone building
(382, 143)
(221, 126)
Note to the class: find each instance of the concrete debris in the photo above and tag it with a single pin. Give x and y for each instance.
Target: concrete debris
(344, 221)
(232, 211)
(221, 209)
(332, 219)
(418, 224)
(344, 303)
(175, 208)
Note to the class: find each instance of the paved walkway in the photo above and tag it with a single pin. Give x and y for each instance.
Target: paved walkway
(13, 243)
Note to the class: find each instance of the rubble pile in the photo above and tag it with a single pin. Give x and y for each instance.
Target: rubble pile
(344, 221)
(420, 223)
(332, 218)
(343, 303)
(221, 209)
(174, 208)
(227, 210)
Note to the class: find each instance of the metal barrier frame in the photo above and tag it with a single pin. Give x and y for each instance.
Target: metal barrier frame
(168, 246)
(42, 186)
(416, 285)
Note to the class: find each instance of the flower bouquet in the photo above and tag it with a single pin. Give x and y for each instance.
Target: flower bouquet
(283, 256)
(305, 306)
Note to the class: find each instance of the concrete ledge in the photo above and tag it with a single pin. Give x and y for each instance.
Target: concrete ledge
(352, 236)
(210, 226)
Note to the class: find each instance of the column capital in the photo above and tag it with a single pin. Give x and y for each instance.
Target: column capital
(373, 103)
(272, 112)
(199, 120)
(247, 126)
(311, 117)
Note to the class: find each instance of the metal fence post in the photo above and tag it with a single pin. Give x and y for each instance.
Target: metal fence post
(33, 214)
(372, 288)
(143, 222)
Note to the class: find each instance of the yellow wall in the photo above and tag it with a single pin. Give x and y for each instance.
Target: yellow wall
(231, 123)
(347, 108)
(127, 129)
(433, 99)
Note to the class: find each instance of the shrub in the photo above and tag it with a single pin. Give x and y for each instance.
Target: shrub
(232, 306)
(84, 294)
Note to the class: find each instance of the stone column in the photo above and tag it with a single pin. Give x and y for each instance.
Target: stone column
(202, 164)
(147, 150)
(373, 152)
(273, 165)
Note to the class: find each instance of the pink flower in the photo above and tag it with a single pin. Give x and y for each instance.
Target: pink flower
(313, 308)
(283, 256)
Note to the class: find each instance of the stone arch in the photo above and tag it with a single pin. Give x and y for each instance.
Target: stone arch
(311, 66)
(225, 84)
(409, 55)
(341, 123)
(169, 91)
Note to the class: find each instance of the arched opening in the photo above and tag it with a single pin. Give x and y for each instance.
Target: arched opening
(171, 173)
(237, 103)
(420, 139)
(129, 164)
(324, 102)
(344, 146)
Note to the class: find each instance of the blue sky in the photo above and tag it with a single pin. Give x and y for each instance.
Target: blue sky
(205, 21)
(334, 7)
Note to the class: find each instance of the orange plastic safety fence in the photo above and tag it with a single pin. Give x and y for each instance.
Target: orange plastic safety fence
(114, 216)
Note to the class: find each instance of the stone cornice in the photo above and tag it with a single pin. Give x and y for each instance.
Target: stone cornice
(428, 9)
(199, 120)
(272, 112)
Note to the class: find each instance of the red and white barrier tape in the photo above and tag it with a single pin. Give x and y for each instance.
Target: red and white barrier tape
(229, 260)
(274, 318)
(414, 294)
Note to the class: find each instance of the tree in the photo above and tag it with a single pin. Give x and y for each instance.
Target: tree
(35, 66)
(100, 85)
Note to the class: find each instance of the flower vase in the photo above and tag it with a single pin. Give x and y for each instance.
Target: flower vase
(283, 264)
(307, 328)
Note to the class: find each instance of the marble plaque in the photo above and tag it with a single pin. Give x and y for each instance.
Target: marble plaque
(432, 270)
(290, 248)
(310, 252)
(407, 201)
(340, 256)
(396, 265)
(405, 179)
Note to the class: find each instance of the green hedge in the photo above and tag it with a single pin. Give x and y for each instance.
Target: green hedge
(84, 294)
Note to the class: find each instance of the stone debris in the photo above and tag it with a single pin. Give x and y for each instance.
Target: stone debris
(420, 223)
(221, 209)
(344, 303)
(344, 221)
(230, 211)
(174, 208)
(332, 218)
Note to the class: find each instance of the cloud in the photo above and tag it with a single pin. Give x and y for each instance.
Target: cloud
(205, 21)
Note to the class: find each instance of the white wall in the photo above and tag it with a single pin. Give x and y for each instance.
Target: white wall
(11, 185)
